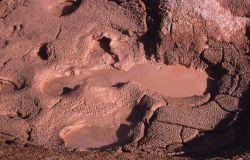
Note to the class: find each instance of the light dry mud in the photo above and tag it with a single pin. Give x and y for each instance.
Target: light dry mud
(160, 78)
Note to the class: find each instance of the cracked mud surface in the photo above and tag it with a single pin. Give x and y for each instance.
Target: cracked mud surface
(132, 79)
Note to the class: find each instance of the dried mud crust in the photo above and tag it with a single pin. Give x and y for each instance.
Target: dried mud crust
(49, 48)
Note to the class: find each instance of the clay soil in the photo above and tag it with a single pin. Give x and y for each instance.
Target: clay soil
(124, 79)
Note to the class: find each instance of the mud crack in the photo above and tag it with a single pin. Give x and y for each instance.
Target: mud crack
(151, 38)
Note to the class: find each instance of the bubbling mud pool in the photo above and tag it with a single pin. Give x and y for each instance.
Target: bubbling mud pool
(171, 81)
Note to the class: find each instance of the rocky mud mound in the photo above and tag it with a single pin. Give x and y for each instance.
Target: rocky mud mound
(124, 79)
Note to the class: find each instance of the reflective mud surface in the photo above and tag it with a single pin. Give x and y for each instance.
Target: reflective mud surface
(172, 81)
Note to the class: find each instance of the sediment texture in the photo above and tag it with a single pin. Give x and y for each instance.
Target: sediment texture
(51, 49)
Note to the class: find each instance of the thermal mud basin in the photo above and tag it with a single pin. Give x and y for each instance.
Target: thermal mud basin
(170, 81)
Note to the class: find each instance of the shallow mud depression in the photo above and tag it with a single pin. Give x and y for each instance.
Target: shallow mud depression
(170, 81)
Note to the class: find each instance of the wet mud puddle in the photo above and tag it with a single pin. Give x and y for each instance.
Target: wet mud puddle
(172, 81)
(91, 137)
(94, 137)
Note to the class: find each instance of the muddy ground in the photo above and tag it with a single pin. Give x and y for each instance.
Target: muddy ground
(124, 79)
